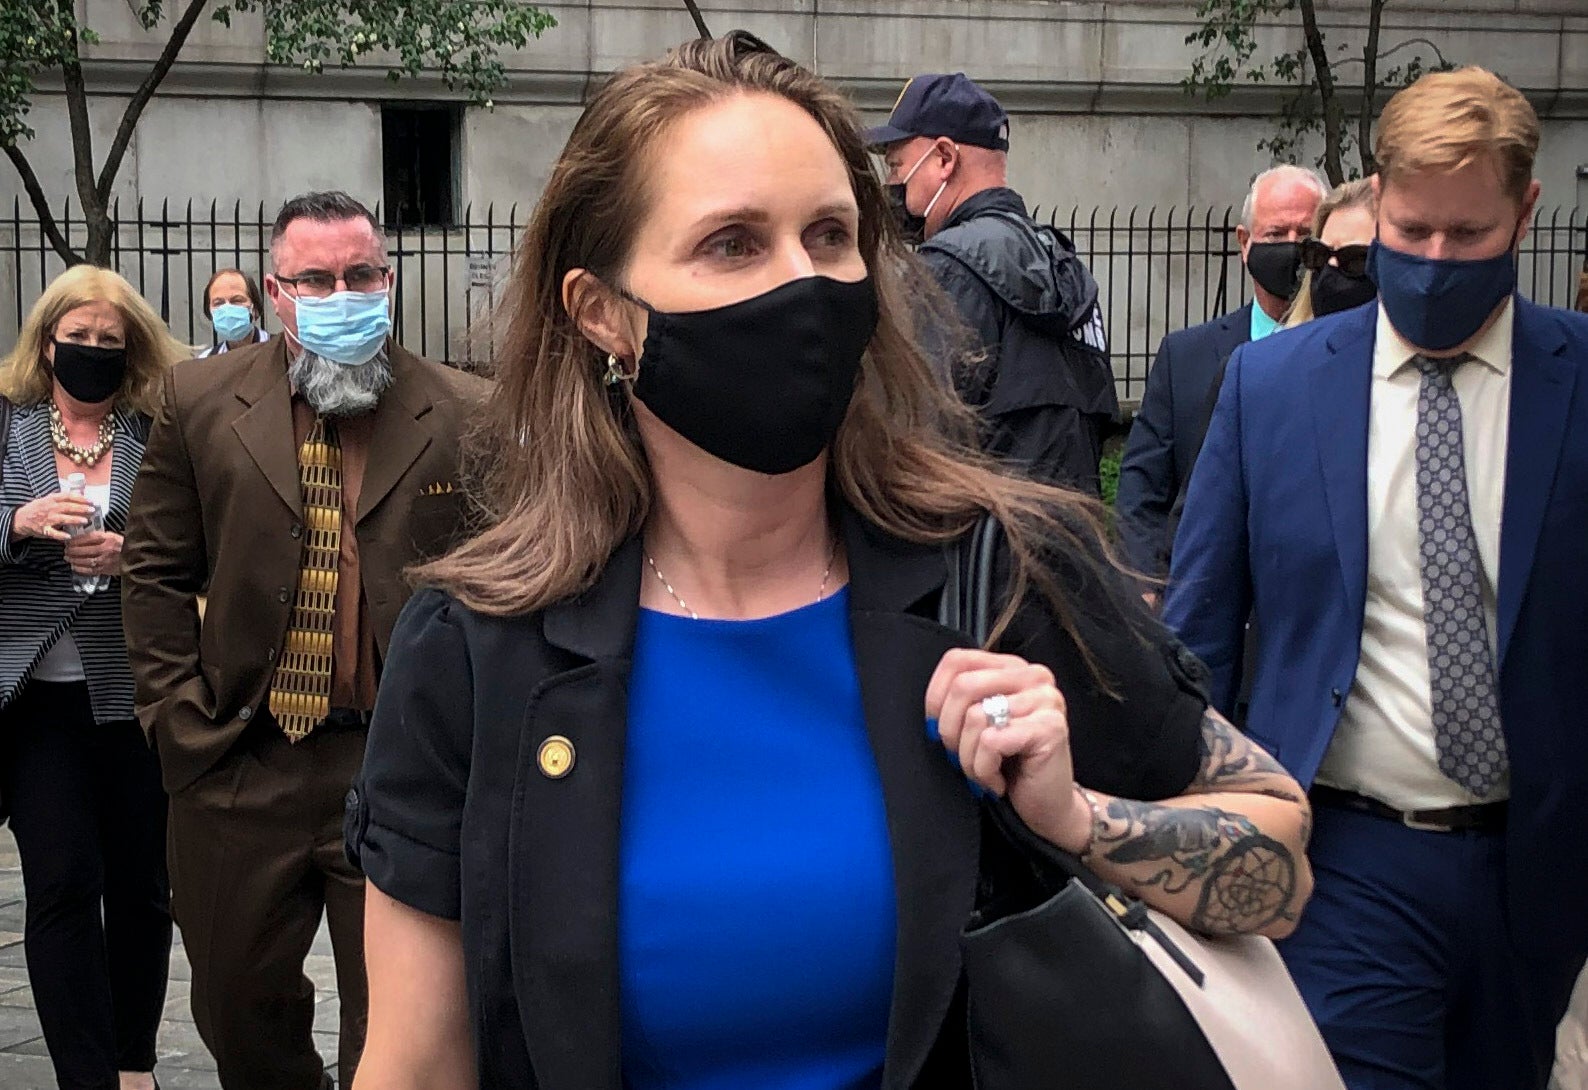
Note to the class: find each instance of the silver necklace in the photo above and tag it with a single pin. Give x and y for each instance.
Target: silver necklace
(821, 591)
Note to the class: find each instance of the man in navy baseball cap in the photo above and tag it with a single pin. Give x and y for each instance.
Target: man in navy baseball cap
(949, 105)
(946, 140)
(1044, 386)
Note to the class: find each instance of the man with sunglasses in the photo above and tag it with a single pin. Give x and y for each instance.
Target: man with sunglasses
(295, 480)
(1167, 432)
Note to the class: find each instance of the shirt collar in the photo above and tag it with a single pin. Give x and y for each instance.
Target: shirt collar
(1493, 349)
(1262, 324)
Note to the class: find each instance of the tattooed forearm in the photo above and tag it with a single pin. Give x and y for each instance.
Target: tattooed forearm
(1233, 762)
(1242, 880)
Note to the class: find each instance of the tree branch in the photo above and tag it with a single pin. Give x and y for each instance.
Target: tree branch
(1327, 96)
(77, 113)
(700, 21)
(1370, 59)
(1414, 41)
(41, 205)
(1394, 49)
(145, 92)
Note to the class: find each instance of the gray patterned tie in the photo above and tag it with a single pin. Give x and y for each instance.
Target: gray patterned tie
(1461, 676)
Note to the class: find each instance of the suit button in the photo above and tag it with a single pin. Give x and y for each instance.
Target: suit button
(283, 595)
(1334, 695)
(270, 656)
(246, 714)
(556, 757)
(296, 531)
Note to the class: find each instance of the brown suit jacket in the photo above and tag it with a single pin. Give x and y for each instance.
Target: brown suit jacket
(217, 508)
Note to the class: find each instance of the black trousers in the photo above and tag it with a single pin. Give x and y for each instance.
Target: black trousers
(89, 818)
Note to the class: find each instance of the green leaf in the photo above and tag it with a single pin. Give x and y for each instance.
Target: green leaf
(34, 37)
(458, 40)
(1227, 37)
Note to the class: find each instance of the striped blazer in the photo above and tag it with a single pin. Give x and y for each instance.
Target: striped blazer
(37, 602)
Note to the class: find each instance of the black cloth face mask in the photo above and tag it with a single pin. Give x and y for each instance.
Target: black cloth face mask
(88, 373)
(763, 384)
(1276, 266)
(1334, 291)
(912, 225)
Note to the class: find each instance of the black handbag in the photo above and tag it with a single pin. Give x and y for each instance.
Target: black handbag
(1073, 983)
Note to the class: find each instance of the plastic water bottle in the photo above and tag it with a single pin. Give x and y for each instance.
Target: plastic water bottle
(77, 485)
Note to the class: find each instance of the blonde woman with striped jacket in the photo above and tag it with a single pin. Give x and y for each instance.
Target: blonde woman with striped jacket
(79, 779)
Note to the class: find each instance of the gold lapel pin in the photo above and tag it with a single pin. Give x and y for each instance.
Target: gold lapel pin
(556, 757)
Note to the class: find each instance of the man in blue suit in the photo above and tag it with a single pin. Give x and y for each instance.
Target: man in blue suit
(1398, 495)
(1168, 429)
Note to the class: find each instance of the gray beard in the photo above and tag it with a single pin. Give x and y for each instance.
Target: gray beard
(332, 389)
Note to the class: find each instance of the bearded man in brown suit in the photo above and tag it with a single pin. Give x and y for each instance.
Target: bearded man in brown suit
(292, 482)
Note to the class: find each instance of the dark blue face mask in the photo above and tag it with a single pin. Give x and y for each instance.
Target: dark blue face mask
(1439, 303)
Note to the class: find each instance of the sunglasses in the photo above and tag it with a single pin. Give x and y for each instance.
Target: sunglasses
(1352, 260)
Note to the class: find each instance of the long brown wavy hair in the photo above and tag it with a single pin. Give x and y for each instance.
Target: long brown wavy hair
(561, 476)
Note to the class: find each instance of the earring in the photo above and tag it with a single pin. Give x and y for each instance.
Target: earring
(615, 375)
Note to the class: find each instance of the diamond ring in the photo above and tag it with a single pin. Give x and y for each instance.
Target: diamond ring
(996, 709)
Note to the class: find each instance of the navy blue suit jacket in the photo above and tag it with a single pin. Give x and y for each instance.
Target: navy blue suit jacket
(1275, 527)
(1168, 431)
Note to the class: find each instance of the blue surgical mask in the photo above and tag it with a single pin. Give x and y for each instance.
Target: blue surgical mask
(1439, 303)
(232, 322)
(346, 327)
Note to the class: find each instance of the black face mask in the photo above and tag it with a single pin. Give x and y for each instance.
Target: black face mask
(765, 383)
(1276, 266)
(89, 374)
(1334, 291)
(912, 225)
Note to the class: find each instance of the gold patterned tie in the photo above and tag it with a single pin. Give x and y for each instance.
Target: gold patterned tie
(300, 693)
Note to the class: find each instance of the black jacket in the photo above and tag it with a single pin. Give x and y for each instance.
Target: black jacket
(1045, 387)
(454, 817)
(1168, 432)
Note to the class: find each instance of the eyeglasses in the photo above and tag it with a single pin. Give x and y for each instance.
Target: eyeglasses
(320, 284)
(1352, 260)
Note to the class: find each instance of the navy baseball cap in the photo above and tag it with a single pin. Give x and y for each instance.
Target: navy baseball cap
(945, 105)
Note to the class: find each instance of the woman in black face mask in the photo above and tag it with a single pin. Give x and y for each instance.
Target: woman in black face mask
(1335, 257)
(81, 785)
(674, 776)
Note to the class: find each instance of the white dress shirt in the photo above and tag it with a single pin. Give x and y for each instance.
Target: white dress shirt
(1384, 746)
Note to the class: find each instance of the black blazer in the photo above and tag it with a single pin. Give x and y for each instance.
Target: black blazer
(36, 583)
(454, 816)
(1168, 432)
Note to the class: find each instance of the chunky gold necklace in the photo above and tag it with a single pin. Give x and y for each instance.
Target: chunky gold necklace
(82, 456)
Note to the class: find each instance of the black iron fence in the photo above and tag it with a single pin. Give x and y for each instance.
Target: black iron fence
(1158, 270)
